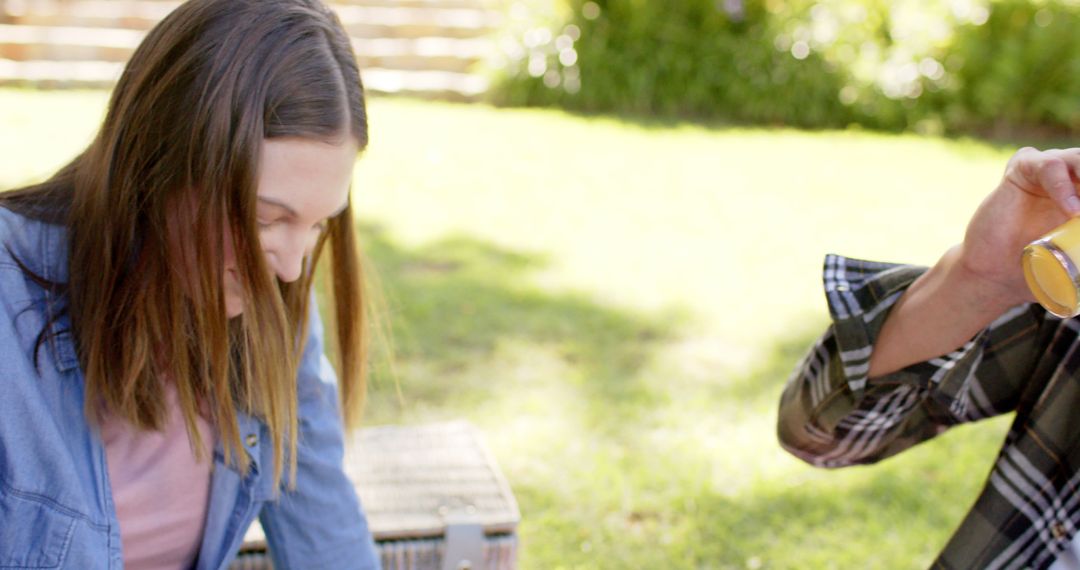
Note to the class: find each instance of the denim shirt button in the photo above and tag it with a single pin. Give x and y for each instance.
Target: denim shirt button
(251, 440)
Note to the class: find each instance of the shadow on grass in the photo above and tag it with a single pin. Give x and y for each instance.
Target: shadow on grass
(763, 384)
(452, 304)
(716, 498)
(652, 469)
(895, 514)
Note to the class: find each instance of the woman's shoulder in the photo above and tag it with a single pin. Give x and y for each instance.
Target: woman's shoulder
(10, 221)
(27, 243)
(32, 254)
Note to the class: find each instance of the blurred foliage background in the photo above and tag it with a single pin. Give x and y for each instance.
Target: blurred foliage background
(992, 67)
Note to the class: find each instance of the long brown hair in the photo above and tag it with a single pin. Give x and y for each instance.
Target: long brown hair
(184, 126)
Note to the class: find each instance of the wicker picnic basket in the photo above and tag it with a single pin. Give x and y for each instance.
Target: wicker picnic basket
(434, 497)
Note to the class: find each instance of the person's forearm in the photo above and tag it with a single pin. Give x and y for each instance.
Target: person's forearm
(940, 312)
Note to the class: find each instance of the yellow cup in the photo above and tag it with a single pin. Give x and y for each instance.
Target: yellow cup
(1050, 269)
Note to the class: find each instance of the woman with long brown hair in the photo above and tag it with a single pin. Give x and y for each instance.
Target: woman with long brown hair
(162, 377)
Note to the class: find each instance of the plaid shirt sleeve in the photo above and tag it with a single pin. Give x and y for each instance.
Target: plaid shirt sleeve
(832, 415)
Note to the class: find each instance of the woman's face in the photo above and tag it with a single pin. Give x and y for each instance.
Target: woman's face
(302, 184)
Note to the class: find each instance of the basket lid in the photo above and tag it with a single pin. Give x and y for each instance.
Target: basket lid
(415, 480)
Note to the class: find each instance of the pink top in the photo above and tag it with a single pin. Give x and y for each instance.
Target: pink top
(159, 489)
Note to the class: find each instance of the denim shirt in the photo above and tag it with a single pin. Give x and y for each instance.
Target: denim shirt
(56, 507)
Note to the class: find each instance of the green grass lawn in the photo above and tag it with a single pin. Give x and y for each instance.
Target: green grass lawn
(617, 305)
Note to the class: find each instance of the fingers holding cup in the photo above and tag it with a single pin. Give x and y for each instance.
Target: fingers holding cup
(1051, 264)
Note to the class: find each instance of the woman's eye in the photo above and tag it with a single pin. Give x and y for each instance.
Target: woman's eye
(263, 224)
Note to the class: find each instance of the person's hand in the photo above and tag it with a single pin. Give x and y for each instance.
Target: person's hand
(1037, 194)
(975, 282)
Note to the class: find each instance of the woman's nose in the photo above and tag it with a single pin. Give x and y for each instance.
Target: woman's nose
(286, 258)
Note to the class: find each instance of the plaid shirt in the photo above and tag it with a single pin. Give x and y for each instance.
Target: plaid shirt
(1027, 362)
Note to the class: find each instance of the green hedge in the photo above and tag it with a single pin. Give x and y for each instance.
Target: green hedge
(931, 65)
(1021, 68)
